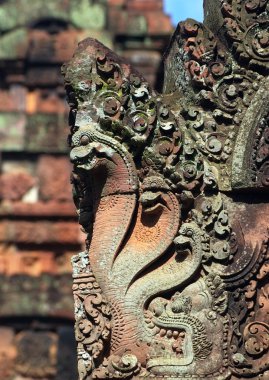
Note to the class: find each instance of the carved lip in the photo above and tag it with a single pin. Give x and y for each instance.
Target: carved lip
(151, 201)
(172, 361)
(87, 165)
(87, 156)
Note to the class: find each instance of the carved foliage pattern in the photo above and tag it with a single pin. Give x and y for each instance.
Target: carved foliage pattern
(250, 339)
(92, 314)
(260, 155)
(223, 90)
(246, 25)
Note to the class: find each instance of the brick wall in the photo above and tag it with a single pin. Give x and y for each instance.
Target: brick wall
(38, 224)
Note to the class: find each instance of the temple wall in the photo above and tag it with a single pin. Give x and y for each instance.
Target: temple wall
(38, 224)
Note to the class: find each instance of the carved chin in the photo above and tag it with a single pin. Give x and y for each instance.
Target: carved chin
(153, 208)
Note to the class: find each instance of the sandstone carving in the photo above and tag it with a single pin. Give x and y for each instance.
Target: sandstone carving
(171, 191)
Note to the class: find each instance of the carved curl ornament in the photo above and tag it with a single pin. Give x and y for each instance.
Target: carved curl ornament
(173, 280)
(247, 27)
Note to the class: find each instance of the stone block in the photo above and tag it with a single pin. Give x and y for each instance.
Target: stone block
(45, 295)
(155, 20)
(7, 352)
(146, 62)
(13, 45)
(13, 100)
(63, 263)
(116, 3)
(12, 131)
(46, 133)
(52, 48)
(46, 101)
(39, 76)
(54, 178)
(36, 354)
(34, 263)
(84, 16)
(142, 5)
(50, 209)
(14, 185)
(29, 263)
(38, 233)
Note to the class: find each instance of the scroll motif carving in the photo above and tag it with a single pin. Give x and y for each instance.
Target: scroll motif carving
(92, 314)
(256, 338)
(222, 91)
(172, 283)
(260, 157)
(250, 340)
(246, 25)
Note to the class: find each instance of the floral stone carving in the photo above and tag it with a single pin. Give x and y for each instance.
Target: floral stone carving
(173, 280)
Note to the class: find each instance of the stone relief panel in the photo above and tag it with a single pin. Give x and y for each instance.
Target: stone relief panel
(171, 191)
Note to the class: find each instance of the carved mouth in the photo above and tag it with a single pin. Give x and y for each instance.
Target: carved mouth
(168, 327)
(151, 201)
(86, 157)
(89, 165)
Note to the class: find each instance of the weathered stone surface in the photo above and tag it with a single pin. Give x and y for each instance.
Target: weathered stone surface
(33, 353)
(12, 131)
(37, 221)
(48, 209)
(7, 352)
(42, 232)
(42, 296)
(14, 185)
(173, 282)
(34, 263)
(42, 361)
(54, 178)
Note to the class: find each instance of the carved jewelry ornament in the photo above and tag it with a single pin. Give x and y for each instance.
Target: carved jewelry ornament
(171, 191)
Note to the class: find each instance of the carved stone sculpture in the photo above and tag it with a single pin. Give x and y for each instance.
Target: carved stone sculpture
(171, 190)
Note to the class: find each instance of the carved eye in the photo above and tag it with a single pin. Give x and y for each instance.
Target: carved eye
(84, 140)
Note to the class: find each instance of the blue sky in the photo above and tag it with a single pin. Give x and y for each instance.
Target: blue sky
(181, 9)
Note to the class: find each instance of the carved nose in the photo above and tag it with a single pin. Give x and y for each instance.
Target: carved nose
(73, 156)
(181, 241)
